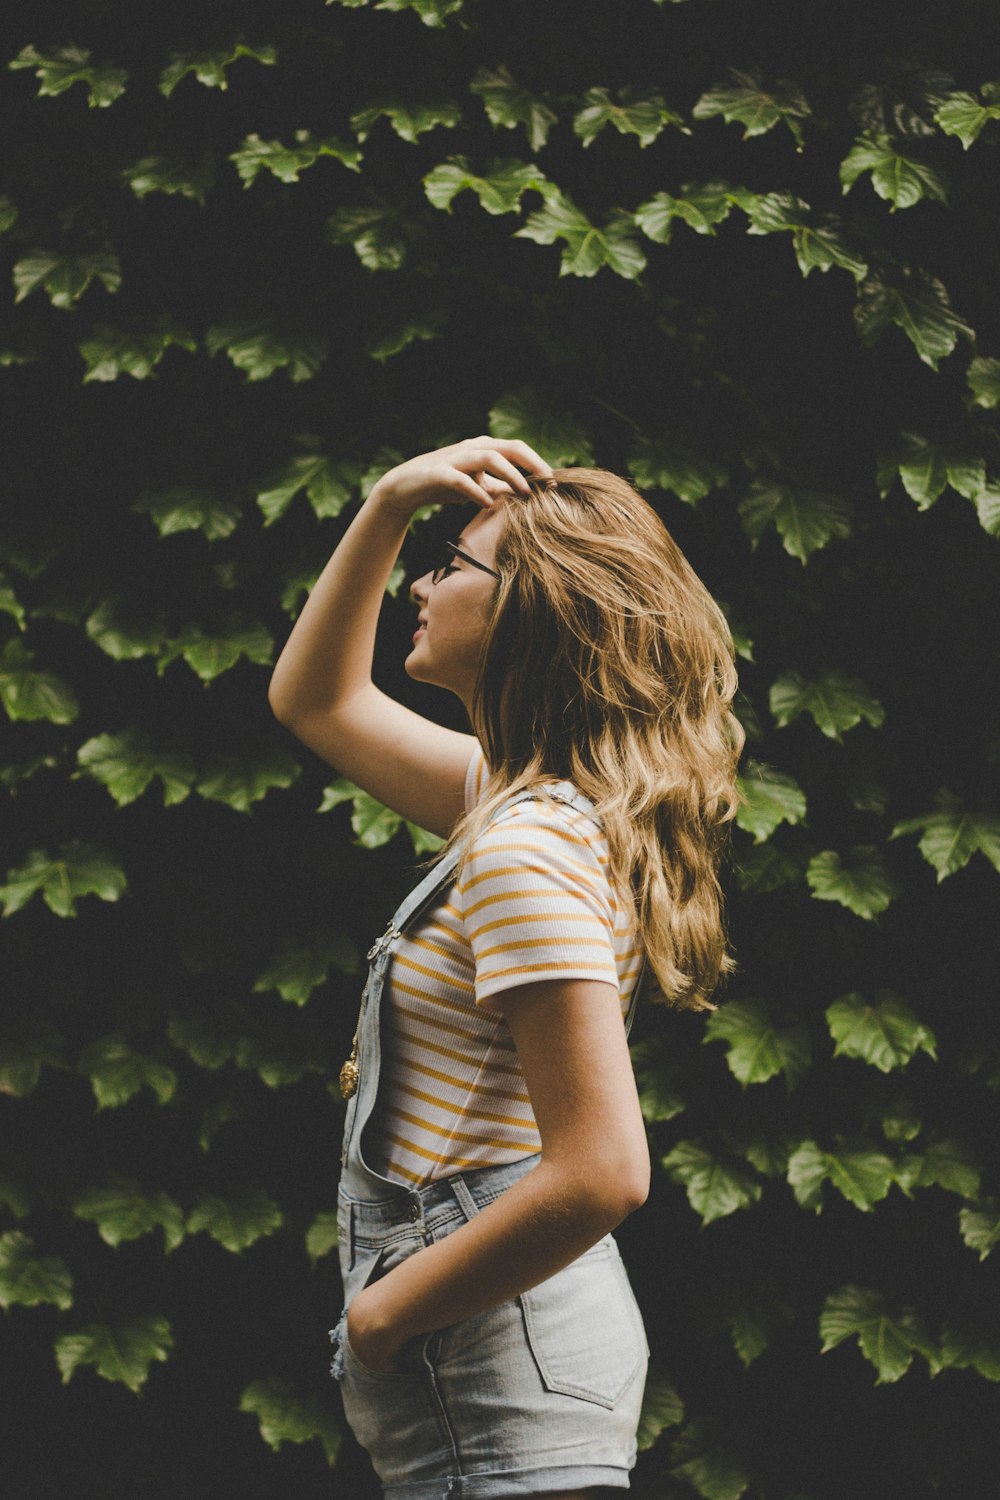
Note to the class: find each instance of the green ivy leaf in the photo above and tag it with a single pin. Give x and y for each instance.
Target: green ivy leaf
(713, 1471)
(499, 189)
(587, 248)
(9, 213)
(662, 1407)
(980, 1226)
(747, 102)
(659, 1081)
(951, 835)
(758, 1045)
(286, 162)
(303, 965)
(126, 763)
(379, 231)
(110, 352)
(236, 1222)
(185, 508)
(836, 701)
(806, 520)
(276, 1064)
(211, 655)
(321, 1236)
(202, 1039)
(122, 1352)
(122, 1211)
(373, 824)
(431, 12)
(925, 469)
(13, 1196)
(983, 376)
(156, 173)
(714, 1187)
(886, 1034)
(286, 1417)
(409, 121)
(258, 347)
(121, 634)
(61, 67)
(117, 1072)
(665, 463)
(987, 504)
(65, 277)
(27, 1279)
(766, 868)
(817, 246)
(639, 111)
(11, 605)
(948, 1164)
(961, 1349)
(702, 206)
(900, 180)
(210, 67)
(918, 303)
(78, 869)
(963, 115)
(14, 773)
(428, 327)
(21, 1062)
(887, 1340)
(859, 880)
(900, 1121)
(241, 780)
(862, 1176)
(526, 414)
(29, 694)
(508, 105)
(772, 797)
(329, 484)
(752, 1324)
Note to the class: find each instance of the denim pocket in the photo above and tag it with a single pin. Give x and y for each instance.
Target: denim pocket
(584, 1328)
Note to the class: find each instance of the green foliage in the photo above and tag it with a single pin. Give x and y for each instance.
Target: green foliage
(122, 1211)
(859, 879)
(286, 162)
(126, 763)
(587, 247)
(210, 67)
(77, 869)
(888, 1340)
(757, 108)
(121, 1352)
(65, 277)
(236, 1222)
(886, 1034)
(835, 700)
(29, 694)
(286, 1417)
(28, 1279)
(507, 105)
(637, 111)
(804, 519)
(60, 68)
(714, 1185)
(759, 1046)
(951, 835)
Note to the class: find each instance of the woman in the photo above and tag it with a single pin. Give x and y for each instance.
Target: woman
(490, 1344)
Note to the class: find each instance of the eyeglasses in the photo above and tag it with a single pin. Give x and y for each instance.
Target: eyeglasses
(445, 568)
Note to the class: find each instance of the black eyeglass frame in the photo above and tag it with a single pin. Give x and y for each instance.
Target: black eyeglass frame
(440, 571)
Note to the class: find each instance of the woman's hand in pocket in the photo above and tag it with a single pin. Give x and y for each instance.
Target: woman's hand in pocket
(376, 1346)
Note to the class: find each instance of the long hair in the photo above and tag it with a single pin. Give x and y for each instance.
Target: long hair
(606, 662)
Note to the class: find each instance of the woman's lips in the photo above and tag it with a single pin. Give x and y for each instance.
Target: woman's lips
(419, 632)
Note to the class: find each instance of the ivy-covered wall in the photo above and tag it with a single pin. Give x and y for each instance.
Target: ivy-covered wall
(255, 253)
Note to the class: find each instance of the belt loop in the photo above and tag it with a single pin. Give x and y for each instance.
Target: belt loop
(466, 1201)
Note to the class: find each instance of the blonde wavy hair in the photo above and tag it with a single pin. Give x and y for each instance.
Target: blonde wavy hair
(606, 662)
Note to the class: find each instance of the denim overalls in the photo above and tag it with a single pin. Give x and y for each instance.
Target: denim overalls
(425, 1441)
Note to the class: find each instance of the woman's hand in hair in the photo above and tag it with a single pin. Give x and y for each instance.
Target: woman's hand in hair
(476, 469)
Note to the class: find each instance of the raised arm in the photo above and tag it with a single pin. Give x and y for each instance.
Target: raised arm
(322, 687)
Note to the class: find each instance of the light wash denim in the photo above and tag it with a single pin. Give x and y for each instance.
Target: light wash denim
(540, 1393)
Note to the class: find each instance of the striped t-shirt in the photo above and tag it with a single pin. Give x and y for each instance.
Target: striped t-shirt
(534, 902)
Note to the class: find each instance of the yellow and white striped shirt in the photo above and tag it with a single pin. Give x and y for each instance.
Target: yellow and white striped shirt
(534, 902)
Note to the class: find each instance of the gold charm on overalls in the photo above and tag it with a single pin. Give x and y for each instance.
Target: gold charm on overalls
(350, 1072)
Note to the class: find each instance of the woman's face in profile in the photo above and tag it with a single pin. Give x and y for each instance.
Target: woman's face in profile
(456, 609)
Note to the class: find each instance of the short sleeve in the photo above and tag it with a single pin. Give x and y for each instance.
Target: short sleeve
(475, 778)
(536, 902)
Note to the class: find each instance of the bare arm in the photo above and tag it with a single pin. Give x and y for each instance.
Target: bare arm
(593, 1172)
(322, 688)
